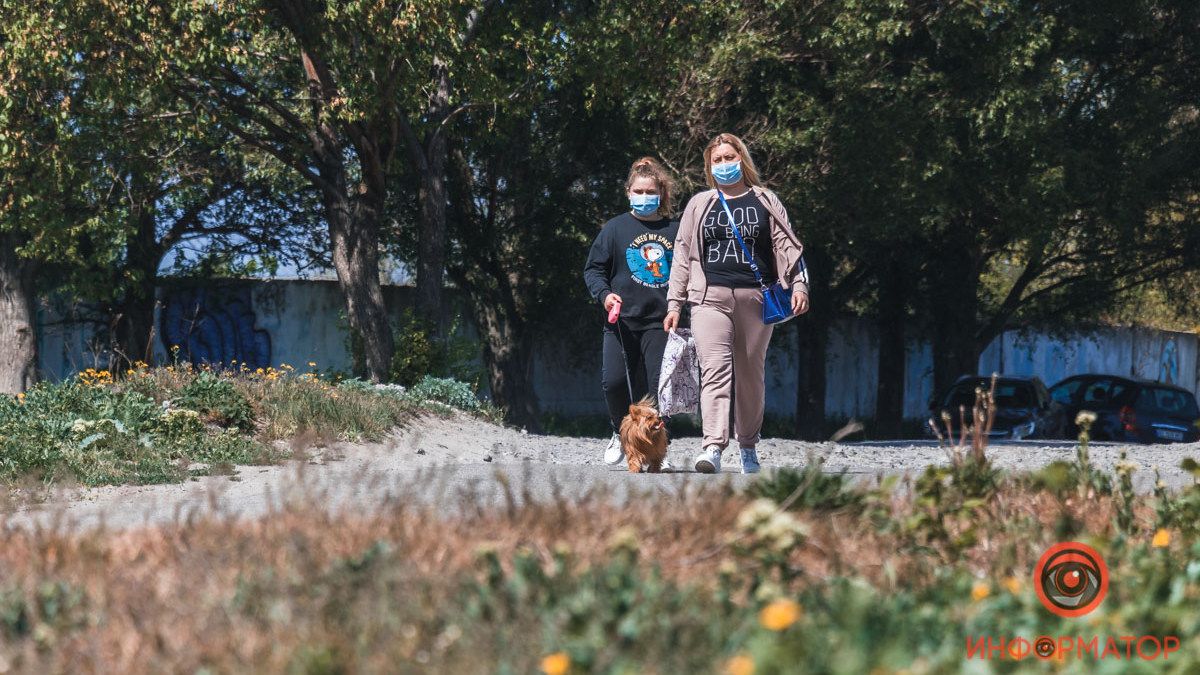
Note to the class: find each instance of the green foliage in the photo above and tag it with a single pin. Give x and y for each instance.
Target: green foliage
(218, 401)
(104, 435)
(808, 488)
(415, 351)
(1179, 511)
(351, 410)
(444, 390)
(624, 614)
(100, 432)
(949, 501)
(1126, 519)
(56, 606)
(419, 352)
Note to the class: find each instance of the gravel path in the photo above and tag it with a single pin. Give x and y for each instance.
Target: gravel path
(461, 462)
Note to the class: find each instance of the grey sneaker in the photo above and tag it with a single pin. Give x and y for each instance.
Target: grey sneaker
(750, 460)
(709, 461)
(614, 454)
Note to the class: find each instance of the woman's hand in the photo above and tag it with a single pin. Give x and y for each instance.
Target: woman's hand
(610, 300)
(671, 322)
(799, 303)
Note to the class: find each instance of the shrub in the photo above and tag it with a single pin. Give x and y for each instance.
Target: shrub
(218, 401)
(418, 353)
(444, 390)
(807, 488)
(103, 434)
(153, 425)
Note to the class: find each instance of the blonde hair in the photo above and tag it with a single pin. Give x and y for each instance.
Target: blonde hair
(749, 171)
(648, 167)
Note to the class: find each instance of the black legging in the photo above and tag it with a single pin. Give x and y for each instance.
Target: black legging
(645, 352)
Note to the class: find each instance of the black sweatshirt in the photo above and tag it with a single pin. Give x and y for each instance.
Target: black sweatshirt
(632, 258)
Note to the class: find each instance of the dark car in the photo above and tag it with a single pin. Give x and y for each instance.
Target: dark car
(1130, 410)
(1024, 408)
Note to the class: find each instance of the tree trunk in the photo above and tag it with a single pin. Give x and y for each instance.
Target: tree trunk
(955, 315)
(508, 356)
(354, 239)
(812, 339)
(18, 328)
(431, 249)
(889, 394)
(812, 346)
(132, 324)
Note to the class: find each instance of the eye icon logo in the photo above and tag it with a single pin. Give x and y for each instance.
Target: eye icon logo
(1071, 579)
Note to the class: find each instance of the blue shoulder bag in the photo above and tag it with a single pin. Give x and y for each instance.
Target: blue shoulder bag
(777, 300)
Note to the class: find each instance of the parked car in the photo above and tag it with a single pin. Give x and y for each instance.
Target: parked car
(1130, 410)
(1024, 408)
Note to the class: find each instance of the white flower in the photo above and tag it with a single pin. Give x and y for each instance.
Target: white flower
(756, 514)
(1085, 418)
(763, 520)
(1125, 466)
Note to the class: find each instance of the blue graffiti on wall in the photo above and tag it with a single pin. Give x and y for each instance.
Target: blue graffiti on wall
(215, 326)
(1168, 363)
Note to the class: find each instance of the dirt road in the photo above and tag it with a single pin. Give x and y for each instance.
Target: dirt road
(462, 462)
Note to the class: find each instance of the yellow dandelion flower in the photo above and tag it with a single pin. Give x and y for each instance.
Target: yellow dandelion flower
(980, 591)
(557, 663)
(779, 614)
(740, 665)
(21, 397)
(1162, 538)
(1013, 584)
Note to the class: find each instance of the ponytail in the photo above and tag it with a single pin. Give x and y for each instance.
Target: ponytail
(648, 167)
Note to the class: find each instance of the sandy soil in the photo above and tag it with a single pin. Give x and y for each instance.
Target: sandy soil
(462, 462)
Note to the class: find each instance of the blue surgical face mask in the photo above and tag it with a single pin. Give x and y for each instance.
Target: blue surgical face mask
(727, 173)
(644, 205)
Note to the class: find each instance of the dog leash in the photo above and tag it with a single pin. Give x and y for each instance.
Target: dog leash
(624, 360)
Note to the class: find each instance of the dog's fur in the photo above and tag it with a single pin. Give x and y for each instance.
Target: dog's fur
(644, 437)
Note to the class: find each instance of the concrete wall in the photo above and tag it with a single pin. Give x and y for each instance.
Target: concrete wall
(1135, 352)
(274, 322)
(261, 323)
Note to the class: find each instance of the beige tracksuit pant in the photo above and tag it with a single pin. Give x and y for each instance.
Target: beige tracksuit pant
(731, 337)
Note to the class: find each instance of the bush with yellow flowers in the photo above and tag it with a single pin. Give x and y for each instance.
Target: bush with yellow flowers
(163, 424)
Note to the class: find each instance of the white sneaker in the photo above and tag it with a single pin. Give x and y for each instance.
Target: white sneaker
(709, 461)
(750, 460)
(614, 454)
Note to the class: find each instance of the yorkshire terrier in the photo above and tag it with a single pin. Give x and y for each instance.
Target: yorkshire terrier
(644, 438)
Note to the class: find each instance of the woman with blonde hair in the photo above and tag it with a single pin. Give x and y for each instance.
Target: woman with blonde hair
(627, 272)
(734, 243)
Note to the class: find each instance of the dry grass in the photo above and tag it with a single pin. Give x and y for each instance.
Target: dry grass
(257, 596)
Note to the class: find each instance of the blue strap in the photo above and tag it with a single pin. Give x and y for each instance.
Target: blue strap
(738, 236)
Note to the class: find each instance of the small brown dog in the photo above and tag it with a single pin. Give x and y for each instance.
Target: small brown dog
(644, 438)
